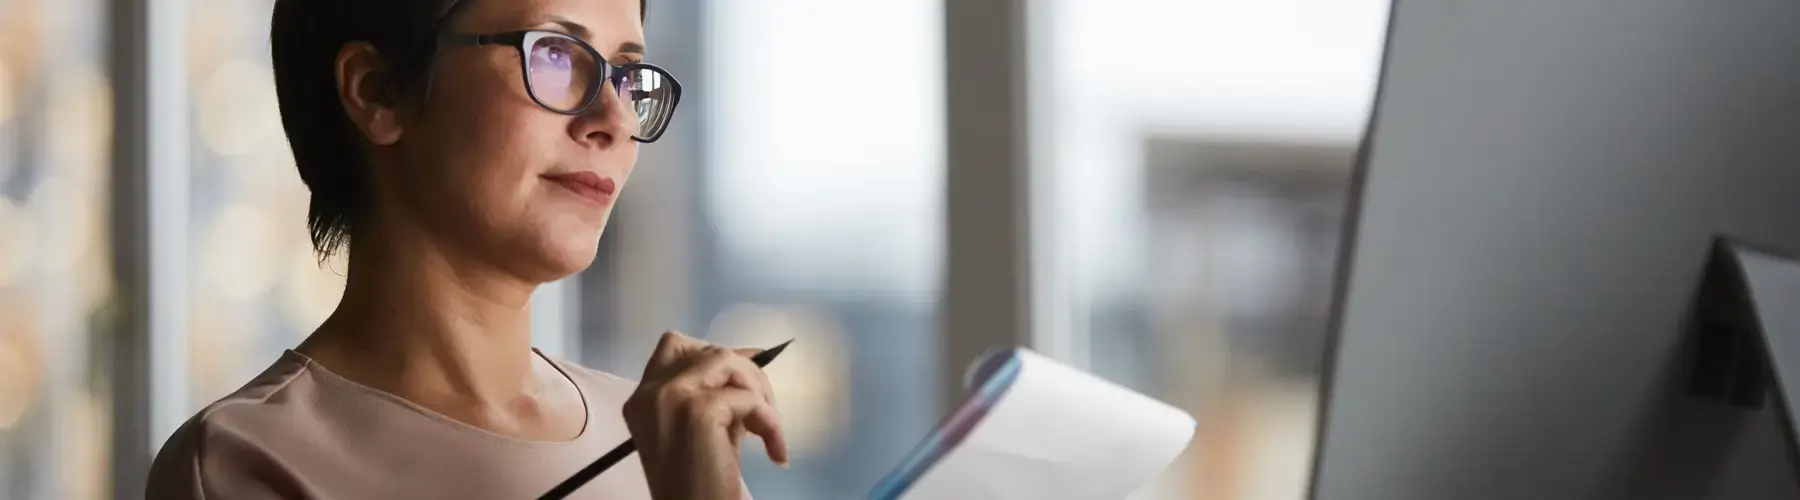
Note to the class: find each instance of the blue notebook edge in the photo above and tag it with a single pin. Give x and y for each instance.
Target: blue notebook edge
(994, 374)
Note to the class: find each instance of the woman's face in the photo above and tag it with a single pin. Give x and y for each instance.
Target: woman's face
(489, 173)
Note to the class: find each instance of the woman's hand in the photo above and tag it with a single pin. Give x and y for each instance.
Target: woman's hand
(691, 411)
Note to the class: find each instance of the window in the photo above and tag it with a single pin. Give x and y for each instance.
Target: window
(1200, 180)
(55, 258)
(797, 196)
(255, 286)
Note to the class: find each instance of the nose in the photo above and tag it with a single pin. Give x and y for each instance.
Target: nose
(606, 124)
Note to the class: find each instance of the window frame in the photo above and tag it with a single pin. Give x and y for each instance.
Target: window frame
(147, 55)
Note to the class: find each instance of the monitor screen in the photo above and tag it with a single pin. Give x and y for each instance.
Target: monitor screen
(1540, 190)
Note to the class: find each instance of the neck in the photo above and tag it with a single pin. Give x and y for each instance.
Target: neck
(427, 325)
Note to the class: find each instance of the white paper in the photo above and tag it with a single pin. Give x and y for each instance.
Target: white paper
(1059, 434)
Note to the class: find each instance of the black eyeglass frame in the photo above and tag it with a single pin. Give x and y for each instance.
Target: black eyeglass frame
(522, 41)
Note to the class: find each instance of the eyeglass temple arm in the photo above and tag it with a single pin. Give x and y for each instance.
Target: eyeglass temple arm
(500, 39)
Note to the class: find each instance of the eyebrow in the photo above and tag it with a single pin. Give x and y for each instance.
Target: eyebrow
(574, 28)
(584, 33)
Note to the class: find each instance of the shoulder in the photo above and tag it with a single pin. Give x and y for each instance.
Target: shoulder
(211, 453)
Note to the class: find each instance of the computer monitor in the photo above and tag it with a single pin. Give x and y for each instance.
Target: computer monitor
(1540, 192)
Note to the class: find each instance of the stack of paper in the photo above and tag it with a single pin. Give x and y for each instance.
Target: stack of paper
(1035, 429)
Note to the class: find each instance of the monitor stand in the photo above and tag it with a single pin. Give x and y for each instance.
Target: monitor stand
(1746, 331)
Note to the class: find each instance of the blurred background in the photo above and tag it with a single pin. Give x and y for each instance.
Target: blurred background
(1189, 166)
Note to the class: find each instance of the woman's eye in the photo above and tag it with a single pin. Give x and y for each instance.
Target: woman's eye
(552, 52)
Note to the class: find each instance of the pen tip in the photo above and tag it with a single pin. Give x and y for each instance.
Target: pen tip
(777, 349)
(768, 355)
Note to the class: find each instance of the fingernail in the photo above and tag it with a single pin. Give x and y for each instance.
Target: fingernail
(784, 465)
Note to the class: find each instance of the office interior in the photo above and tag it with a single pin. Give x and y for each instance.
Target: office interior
(1223, 204)
(1178, 204)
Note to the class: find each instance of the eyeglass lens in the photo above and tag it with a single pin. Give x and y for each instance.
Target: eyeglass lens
(563, 75)
(650, 95)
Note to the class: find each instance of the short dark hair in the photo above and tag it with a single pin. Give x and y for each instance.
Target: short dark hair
(305, 37)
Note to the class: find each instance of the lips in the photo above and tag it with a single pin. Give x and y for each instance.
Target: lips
(587, 185)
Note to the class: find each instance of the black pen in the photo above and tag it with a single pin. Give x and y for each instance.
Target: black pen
(628, 447)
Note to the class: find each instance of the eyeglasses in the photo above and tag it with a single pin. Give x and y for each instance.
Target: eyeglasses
(565, 75)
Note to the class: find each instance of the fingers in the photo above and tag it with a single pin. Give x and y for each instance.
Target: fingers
(719, 366)
(716, 386)
(767, 425)
(740, 406)
(737, 435)
(762, 376)
(671, 348)
(768, 388)
(747, 375)
(689, 363)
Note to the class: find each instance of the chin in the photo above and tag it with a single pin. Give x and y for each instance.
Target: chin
(559, 244)
(561, 258)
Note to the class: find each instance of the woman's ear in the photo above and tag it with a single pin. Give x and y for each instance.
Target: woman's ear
(365, 87)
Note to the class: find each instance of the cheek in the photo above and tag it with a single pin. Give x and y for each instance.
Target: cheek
(486, 150)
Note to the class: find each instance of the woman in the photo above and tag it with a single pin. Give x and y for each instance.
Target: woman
(463, 152)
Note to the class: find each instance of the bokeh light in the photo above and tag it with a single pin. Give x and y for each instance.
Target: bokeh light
(94, 274)
(80, 125)
(83, 449)
(237, 109)
(267, 174)
(239, 253)
(313, 289)
(220, 29)
(15, 242)
(6, 91)
(21, 38)
(812, 376)
(67, 222)
(21, 358)
(17, 381)
(217, 354)
(8, 109)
